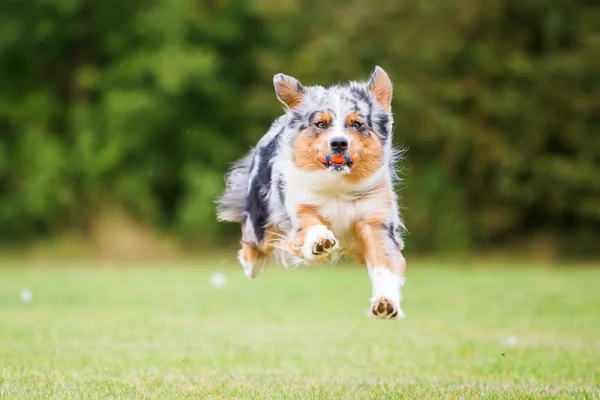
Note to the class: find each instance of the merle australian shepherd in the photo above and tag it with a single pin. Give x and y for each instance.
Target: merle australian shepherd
(320, 185)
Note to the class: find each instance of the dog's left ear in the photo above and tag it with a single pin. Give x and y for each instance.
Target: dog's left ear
(380, 86)
(289, 90)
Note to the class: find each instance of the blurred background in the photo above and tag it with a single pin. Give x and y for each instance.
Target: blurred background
(118, 119)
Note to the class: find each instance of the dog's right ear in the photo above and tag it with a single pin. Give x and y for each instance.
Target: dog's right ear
(289, 90)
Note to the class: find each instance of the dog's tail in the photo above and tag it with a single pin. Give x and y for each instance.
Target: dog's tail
(230, 205)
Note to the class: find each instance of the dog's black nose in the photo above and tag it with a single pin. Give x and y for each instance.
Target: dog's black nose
(338, 144)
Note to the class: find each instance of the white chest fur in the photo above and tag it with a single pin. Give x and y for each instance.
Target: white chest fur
(337, 201)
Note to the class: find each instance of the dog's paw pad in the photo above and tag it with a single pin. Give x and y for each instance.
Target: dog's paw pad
(384, 309)
(323, 246)
(318, 243)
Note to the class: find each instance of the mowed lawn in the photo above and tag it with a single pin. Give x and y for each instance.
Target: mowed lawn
(503, 331)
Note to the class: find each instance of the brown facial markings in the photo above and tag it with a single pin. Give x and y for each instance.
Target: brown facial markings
(312, 141)
(325, 117)
(370, 155)
(352, 118)
(306, 150)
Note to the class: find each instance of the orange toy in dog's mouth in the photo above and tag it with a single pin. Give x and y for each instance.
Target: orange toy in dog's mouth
(339, 160)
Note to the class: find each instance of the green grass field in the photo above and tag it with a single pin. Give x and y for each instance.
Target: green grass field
(518, 332)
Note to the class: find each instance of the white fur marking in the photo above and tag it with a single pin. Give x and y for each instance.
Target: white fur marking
(386, 284)
(316, 234)
(250, 270)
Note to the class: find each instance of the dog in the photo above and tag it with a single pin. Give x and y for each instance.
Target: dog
(319, 185)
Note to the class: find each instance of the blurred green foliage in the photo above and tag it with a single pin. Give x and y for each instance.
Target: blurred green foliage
(143, 105)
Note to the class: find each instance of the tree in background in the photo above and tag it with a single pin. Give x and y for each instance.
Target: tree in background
(141, 106)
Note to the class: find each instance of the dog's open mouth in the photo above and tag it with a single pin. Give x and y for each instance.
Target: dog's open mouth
(337, 163)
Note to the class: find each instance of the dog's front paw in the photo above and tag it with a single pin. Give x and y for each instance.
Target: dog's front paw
(385, 309)
(385, 303)
(318, 243)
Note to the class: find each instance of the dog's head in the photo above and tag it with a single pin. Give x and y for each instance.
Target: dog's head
(344, 129)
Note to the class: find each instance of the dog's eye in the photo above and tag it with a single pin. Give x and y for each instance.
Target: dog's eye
(320, 124)
(357, 125)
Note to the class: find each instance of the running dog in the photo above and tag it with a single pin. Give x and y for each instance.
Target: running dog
(320, 185)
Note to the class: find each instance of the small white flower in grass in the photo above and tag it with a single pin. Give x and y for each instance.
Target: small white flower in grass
(26, 295)
(510, 341)
(218, 279)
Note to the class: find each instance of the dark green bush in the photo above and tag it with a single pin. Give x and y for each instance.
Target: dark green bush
(142, 105)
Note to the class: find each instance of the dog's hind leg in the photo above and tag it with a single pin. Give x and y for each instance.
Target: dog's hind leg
(252, 260)
(253, 257)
